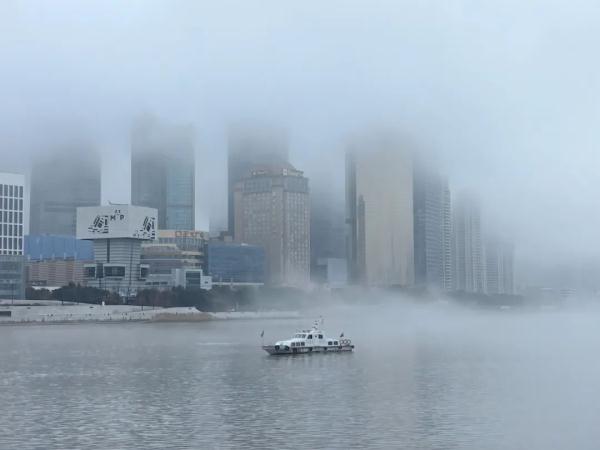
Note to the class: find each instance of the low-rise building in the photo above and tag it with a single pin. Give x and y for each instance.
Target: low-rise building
(234, 263)
(56, 272)
(117, 232)
(331, 272)
(41, 247)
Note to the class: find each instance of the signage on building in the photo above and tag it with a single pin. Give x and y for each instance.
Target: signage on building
(116, 221)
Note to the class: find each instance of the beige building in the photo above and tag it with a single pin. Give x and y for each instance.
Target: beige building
(55, 272)
(271, 208)
(379, 201)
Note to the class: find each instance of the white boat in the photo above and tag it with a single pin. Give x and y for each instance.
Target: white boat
(310, 341)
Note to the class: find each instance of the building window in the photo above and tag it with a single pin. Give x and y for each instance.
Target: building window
(114, 271)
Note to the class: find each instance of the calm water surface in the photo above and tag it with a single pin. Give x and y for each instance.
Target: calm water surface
(434, 379)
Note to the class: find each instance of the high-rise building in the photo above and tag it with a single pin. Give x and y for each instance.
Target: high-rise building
(12, 271)
(163, 172)
(327, 233)
(272, 210)
(432, 229)
(60, 183)
(379, 203)
(248, 147)
(470, 273)
(499, 258)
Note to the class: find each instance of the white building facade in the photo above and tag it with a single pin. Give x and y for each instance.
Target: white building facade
(12, 205)
(117, 232)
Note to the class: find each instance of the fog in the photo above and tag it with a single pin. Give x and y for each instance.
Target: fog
(504, 94)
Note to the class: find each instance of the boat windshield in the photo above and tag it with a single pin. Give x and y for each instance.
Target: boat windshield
(300, 335)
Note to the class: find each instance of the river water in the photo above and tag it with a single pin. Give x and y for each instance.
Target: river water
(433, 378)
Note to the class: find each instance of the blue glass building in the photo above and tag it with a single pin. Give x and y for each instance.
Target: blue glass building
(40, 247)
(163, 172)
(235, 263)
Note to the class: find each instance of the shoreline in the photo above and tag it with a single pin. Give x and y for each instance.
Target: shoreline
(79, 313)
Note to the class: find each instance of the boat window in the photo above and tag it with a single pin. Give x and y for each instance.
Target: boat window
(302, 344)
(310, 336)
(320, 336)
(335, 343)
(330, 343)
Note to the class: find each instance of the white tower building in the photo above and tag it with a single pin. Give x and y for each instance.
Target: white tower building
(117, 232)
(12, 200)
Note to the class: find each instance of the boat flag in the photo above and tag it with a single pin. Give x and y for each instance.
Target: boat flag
(342, 335)
(262, 333)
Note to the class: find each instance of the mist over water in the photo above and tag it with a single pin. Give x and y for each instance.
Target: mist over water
(421, 377)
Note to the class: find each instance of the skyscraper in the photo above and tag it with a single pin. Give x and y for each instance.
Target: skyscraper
(499, 258)
(272, 210)
(432, 229)
(62, 181)
(12, 271)
(327, 231)
(248, 147)
(470, 271)
(163, 172)
(379, 202)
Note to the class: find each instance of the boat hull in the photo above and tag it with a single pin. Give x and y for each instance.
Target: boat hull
(276, 350)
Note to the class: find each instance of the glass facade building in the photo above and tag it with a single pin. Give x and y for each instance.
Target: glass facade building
(235, 263)
(47, 247)
(163, 172)
(432, 230)
(59, 186)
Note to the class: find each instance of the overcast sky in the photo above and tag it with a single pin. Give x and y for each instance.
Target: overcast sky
(505, 93)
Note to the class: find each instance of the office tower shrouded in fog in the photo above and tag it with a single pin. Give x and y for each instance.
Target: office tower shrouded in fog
(163, 172)
(272, 210)
(379, 202)
(12, 200)
(499, 257)
(470, 273)
(327, 235)
(250, 147)
(61, 182)
(432, 230)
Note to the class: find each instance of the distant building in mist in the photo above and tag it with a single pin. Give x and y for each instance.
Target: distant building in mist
(500, 276)
(163, 172)
(62, 181)
(379, 202)
(12, 269)
(470, 265)
(432, 230)
(249, 147)
(271, 209)
(327, 235)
